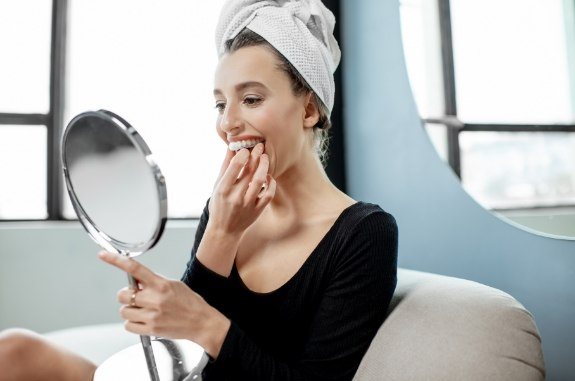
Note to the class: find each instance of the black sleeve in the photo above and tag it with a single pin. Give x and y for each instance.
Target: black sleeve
(353, 308)
(212, 286)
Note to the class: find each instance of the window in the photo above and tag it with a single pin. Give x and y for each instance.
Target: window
(23, 191)
(495, 86)
(24, 109)
(150, 62)
(158, 75)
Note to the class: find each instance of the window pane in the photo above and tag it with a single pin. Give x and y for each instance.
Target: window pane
(25, 64)
(422, 49)
(512, 61)
(23, 167)
(515, 170)
(153, 64)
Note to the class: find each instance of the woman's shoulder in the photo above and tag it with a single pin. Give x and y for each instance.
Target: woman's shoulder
(365, 241)
(361, 227)
(366, 227)
(363, 213)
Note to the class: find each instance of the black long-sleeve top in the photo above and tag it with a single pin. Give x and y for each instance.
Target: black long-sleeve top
(319, 324)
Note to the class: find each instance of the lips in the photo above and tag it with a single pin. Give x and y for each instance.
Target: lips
(249, 143)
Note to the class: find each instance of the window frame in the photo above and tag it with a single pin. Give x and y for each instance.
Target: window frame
(454, 126)
(52, 120)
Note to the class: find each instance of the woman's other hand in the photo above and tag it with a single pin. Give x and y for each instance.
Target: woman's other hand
(243, 189)
(167, 308)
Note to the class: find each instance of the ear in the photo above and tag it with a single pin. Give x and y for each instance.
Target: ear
(311, 111)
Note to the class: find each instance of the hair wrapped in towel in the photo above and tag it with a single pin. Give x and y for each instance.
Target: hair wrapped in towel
(301, 30)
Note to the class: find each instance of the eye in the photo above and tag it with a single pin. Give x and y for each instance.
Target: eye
(252, 101)
(220, 106)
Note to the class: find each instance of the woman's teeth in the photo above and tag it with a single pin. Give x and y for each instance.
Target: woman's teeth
(236, 146)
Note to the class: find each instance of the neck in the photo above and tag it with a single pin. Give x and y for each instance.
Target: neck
(303, 189)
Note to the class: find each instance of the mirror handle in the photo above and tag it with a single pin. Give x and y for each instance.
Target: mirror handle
(146, 342)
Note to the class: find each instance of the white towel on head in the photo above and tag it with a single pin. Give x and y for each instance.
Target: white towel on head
(301, 30)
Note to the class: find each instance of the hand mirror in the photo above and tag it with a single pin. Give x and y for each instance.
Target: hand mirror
(119, 195)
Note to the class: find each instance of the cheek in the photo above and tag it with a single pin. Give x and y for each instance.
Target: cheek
(278, 147)
(273, 124)
(221, 132)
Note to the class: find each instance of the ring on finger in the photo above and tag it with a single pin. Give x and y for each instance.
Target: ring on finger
(133, 299)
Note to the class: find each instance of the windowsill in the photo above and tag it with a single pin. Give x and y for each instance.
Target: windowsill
(63, 224)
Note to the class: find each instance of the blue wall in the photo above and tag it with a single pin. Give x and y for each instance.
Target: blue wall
(391, 162)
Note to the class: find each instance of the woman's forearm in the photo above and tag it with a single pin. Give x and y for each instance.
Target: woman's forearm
(217, 250)
(212, 336)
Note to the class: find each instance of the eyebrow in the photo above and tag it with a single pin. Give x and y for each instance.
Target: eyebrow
(242, 86)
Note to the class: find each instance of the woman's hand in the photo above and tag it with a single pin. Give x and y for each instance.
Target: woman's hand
(238, 198)
(237, 201)
(167, 308)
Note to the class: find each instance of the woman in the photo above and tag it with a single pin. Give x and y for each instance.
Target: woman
(289, 278)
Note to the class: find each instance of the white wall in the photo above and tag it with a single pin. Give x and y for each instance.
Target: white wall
(51, 278)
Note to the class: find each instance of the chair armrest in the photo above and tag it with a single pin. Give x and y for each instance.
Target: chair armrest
(444, 328)
(94, 342)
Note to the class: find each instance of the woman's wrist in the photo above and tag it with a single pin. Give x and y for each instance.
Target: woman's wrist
(214, 333)
(213, 230)
(217, 250)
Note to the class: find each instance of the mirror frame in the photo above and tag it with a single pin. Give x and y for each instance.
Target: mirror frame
(100, 237)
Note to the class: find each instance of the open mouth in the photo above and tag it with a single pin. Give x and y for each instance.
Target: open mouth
(249, 144)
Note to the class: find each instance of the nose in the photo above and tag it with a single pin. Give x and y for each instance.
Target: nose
(231, 120)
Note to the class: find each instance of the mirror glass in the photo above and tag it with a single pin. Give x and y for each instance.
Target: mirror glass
(116, 189)
(494, 84)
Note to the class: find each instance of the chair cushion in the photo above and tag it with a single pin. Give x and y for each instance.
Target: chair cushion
(443, 328)
(94, 342)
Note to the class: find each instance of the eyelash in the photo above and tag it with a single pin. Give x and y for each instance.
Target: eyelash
(250, 101)
(220, 106)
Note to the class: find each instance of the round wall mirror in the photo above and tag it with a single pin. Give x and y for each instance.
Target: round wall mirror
(494, 83)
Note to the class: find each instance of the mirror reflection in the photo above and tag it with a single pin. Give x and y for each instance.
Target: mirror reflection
(498, 102)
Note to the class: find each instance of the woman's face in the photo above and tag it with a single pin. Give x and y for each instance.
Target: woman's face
(256, 103)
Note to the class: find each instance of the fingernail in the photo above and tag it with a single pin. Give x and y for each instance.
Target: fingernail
(260, 148)
(246, 155)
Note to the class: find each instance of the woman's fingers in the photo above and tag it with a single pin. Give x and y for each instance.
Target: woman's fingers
(240, 170)
(149, 297)
(252, 163)
(258, 180)
(136, 315)
(137, 328)
(225, 164)
(124, 296)
(127, 297)
(233, 171)
(246, 176)
(136, 269)
(267, 194)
